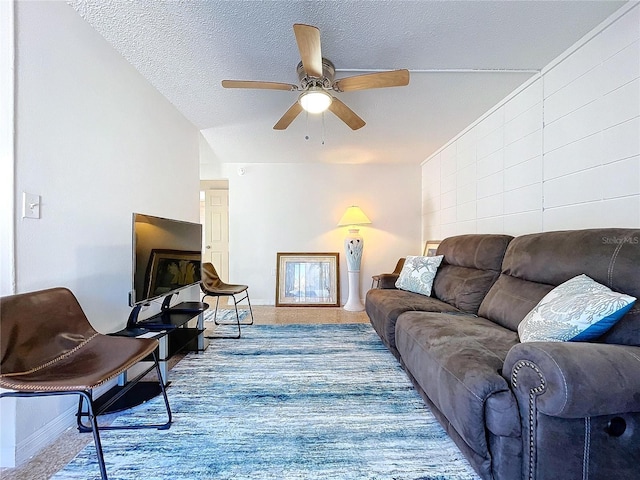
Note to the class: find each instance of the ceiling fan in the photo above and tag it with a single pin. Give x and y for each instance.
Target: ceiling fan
(316, 76)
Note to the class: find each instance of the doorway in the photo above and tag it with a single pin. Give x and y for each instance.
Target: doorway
(214, 216)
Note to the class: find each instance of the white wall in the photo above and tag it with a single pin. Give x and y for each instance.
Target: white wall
(97, 142)
(7, 244)
(7, 71)
(210, 166)
(562, 152)
(281, 207)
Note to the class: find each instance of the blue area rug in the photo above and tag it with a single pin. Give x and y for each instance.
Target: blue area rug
(284, 402)
(225, 315)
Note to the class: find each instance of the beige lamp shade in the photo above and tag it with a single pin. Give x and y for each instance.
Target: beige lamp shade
(353, 216)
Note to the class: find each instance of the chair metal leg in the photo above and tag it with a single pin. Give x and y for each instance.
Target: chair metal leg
(235, 304)
(82, 428)
(167, 425)
(250, 311)
(84, 395)
(96, 435)
(228, 336)
(215, 314)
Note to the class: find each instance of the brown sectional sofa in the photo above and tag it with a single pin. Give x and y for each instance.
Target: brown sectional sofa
(538, 410)
(470, 266)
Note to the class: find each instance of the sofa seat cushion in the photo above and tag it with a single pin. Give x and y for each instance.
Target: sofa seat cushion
(457, 361)
(385, 305)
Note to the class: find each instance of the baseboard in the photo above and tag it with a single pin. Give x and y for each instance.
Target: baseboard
(261, 301)
(7, 457)
(50, 432)
(45, 436)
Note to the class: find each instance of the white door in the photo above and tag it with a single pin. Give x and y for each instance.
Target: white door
(216, 231)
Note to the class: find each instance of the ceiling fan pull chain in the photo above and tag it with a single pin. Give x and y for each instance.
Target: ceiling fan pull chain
(306, 137)
(322, 128)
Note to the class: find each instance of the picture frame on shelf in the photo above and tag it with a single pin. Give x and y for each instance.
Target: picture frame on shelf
(430, 248)
(308, 279)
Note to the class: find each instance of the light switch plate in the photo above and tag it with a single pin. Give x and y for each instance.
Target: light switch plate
(30, 205)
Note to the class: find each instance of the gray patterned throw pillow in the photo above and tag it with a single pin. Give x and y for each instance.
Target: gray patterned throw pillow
(418, 273)
(577, 310)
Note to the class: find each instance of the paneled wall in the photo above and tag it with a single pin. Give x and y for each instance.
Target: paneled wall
(563, 151)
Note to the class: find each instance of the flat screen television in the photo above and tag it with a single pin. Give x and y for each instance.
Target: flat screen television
(167, 257)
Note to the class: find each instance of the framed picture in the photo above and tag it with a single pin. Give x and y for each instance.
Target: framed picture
(430, 248)
(171, 269)
(308, 280)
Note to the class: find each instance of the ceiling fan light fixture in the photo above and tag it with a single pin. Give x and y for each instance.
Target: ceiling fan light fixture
(315, 100)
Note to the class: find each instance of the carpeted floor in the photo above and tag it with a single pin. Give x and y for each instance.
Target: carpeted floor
(225, 315)
(284, 402)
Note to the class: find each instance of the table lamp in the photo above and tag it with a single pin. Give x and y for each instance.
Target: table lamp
(353, 245)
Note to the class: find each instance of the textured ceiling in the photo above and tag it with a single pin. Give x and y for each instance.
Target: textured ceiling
(186, 48)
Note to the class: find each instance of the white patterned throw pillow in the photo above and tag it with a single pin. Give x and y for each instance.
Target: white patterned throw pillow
(418, 273)
(577, 310)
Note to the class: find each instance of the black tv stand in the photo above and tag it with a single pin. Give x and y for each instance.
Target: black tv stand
(173, 321)
(132, 321)
(166, 303)
(133, 317)
(189, 307)
(171, 327)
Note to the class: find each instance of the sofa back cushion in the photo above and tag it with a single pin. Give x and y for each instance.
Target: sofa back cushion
(470, 266)
(534, 264)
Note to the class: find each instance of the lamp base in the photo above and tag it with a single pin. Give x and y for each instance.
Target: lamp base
(353, 302)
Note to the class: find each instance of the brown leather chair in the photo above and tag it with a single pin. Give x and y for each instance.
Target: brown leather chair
(375, 280)
(48, 347)
(213, 286)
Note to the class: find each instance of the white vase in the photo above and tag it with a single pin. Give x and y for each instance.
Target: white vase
(353, 246)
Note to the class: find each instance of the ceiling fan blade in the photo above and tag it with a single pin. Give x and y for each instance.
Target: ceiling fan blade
(345, 114)
(393, 78)
(288, 117)
(308, 39)
(260, 85)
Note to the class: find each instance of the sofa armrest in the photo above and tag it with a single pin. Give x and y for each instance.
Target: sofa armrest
(388, 280)
(576, 380)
